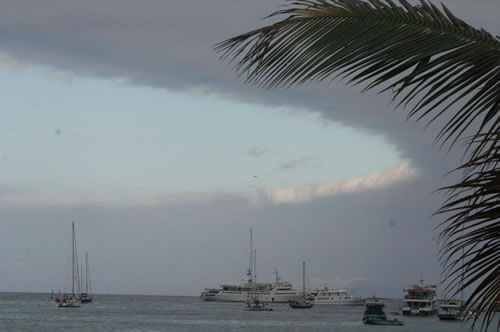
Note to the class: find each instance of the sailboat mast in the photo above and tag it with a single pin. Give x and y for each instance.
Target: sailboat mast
(86, 273)
(304, 278)
(255, 265)
(73, 258)
(251, 256)
(80, 279)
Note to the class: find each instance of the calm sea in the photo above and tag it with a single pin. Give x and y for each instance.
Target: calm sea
(36, 312)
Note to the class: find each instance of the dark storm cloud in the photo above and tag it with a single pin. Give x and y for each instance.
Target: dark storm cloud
(169, 44)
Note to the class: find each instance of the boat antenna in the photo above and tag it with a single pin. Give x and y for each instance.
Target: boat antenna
(276, 272)
(255, 265)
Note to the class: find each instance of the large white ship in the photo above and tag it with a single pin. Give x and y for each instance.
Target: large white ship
(278, 291)
(421, 300)
(335, 297)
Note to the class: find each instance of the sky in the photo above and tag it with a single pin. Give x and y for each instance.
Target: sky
(124, 120)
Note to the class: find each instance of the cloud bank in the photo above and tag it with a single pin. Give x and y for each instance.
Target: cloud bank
(403, 171)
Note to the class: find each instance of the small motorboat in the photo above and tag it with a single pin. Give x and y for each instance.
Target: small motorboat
(256, 305)
(375, 315)
(301, 304)
(454, 310)
(68, 302)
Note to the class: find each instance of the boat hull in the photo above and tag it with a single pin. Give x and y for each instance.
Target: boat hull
(69, 304)
(449, 317)
(372, 321)
(300, 304)
(346, 303)
(419, 313)
(242, 297)
(257, 309)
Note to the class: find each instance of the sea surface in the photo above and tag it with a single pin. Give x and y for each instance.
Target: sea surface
(37, 312)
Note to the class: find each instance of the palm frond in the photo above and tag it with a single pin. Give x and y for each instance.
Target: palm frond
(435, 65)
(470, 236)
(438, 60)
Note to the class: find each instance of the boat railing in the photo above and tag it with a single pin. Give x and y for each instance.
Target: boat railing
(408, 297)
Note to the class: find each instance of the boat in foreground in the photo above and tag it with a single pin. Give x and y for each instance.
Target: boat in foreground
(304, 302)
(375, 315)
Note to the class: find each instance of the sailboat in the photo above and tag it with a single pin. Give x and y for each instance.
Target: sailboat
(303, 303)
(85, 297)
(252, 302)
(71, 300)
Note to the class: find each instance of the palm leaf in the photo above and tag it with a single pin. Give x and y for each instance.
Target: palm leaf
(436, 58)
(436, 65)
(470, 236)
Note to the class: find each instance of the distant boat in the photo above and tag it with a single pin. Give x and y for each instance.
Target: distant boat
(86, 296)
(278, 291)
(375, 315)
(304, 302)
(453, 309)
(71, 300)
(252, 302)
(328, 296)
(421, 300)
(450, 310)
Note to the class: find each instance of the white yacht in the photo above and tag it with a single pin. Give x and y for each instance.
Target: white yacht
(335, 297)
(421, 300)
(278, 291)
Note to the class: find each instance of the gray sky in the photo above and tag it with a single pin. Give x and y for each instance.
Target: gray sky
(371, 233)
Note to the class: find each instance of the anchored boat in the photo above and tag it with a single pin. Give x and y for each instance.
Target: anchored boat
(71, 300)
(304, 302)
(421, 300)
(335, 297)
(278, 291)
(375, 315)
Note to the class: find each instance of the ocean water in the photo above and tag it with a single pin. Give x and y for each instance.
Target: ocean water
(36, 312)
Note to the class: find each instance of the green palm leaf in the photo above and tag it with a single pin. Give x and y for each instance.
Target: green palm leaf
(436, 65)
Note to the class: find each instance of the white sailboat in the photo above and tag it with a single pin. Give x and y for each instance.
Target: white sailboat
(86, 296)
(72, 300)
(304, 302)
(253, 303)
